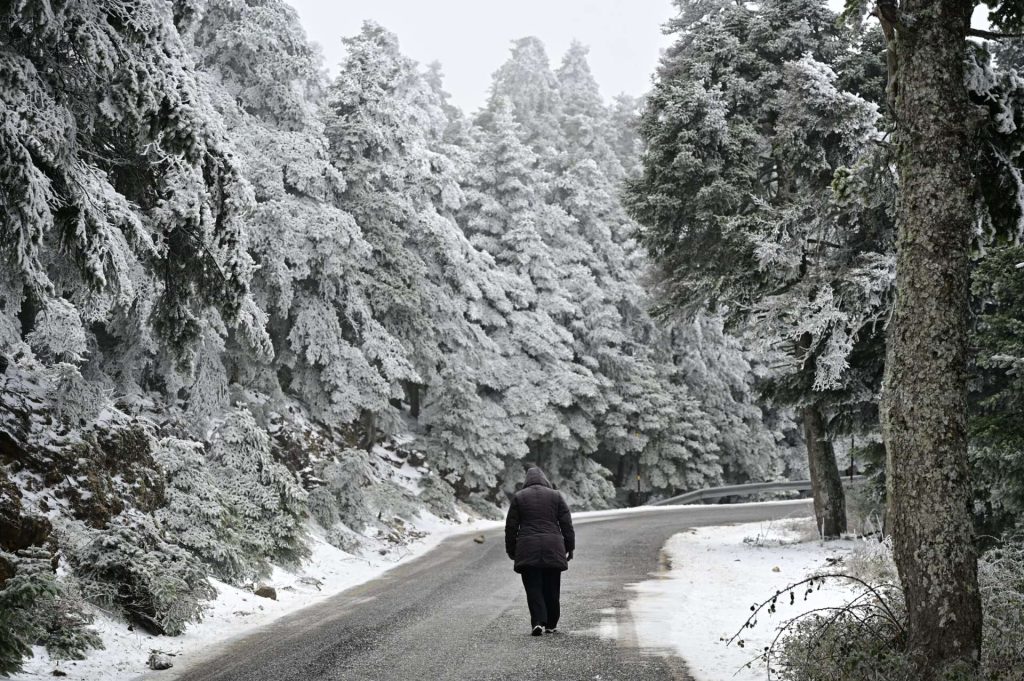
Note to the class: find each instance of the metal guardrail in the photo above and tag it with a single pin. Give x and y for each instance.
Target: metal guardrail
(742, 491)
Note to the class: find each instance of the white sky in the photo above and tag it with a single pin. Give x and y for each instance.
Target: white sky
(471, 38)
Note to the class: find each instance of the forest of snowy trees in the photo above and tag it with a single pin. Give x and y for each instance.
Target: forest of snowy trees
(236, 293)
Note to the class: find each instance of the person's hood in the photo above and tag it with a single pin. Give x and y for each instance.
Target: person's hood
(534, 476)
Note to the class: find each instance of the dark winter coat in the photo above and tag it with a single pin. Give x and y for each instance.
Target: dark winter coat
(538, 528)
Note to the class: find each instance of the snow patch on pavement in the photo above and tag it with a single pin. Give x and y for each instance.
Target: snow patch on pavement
(714, 575)
(236, 612)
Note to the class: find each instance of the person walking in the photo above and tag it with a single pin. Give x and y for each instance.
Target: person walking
(540, 539)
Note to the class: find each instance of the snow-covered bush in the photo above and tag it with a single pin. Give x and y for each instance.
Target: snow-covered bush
(345, 539)
(1001, 582)
(345, 493)
(58, 333)
(322, 506)
(77, 400)
(355, 494)
(64, 621)
(865, 640)
(36, 609)
(129, 567)
(263, 497)
(392, 502)
(843, 647)
(484, 507)
(32, 582)
(199, 515)
(235, 507)
(438, 496)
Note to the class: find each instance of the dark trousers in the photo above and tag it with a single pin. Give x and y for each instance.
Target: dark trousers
(542, 585)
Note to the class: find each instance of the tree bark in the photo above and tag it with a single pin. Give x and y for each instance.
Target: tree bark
(368, 422)
(925, 390)
(826, 485)
(412, 396)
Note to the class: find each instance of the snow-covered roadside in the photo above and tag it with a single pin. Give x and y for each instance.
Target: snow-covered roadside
(715, 575)
(235, 612)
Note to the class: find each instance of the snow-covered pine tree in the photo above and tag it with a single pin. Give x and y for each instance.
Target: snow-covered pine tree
(585, 121)
(534, 96)
(312, 256)
(649, 420)
(924, 406)
(599, 267)
(625, 120)
(997, 287)
(723, 377)
(507, 215)
(383, 123)
(142, 226)
(745, 131)
(531, 88)
(465, 431)
(650, 396)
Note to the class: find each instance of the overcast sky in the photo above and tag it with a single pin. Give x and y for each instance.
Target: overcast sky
(471, 38)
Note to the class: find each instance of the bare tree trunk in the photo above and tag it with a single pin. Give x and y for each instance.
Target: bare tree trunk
(368, 422)
(829, 499)
(924, 413)
(826, 485)
(412, 396)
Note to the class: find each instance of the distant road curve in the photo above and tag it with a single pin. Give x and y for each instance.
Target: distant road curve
(458, 613)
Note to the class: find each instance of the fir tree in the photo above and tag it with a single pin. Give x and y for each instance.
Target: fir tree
(746, 132)
(150, 221)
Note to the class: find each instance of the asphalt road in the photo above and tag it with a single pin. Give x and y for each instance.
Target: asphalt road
(459, 612)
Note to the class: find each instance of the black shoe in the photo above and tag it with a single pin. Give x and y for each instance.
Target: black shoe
(552, 630)
(537, 631)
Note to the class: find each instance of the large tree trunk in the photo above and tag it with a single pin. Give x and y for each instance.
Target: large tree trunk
(827, 487)
(924, 399)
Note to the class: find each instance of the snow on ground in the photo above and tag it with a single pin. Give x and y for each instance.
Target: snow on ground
(235, 612)
(714, 576)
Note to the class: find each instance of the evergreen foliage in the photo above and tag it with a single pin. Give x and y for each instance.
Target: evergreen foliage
(142, 230)
(36, 609)
(746, 132)
(129, 567)
(226, 279)
(263, 495)
(996, 436)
